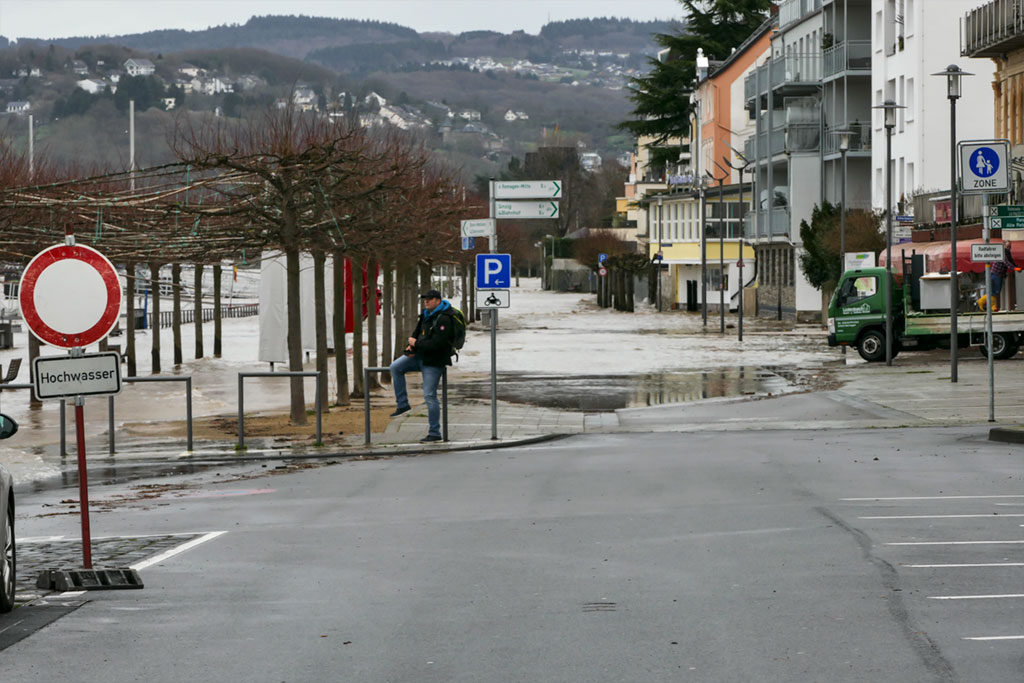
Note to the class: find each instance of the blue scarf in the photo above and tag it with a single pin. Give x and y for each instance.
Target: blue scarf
(443, 306)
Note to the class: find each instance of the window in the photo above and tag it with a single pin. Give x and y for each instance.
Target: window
(908, 100)
(902, 98)
(715, 279)
(856, 289)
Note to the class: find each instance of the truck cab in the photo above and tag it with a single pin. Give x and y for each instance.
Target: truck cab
(856, 313)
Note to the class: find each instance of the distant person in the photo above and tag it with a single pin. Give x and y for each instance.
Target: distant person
(1000, 269)
(429, 351)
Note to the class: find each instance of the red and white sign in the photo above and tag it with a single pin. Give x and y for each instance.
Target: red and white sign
(70, 296)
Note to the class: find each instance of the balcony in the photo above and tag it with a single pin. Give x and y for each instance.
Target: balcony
(860, 140)
(794, 10)
(754, 224)
(853, 56)
(796, 73)
(756, 82)
(993, 29)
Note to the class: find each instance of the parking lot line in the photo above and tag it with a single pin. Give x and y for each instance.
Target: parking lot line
(955, 542)
(963, 566)
(177, 550)
(932, 498)
(1003, 596)
(993, 515)
(994, 638)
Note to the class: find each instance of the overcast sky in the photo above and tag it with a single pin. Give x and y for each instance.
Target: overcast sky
(63, 18)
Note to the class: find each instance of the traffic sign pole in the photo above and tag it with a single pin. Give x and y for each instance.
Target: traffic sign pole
(493, 316)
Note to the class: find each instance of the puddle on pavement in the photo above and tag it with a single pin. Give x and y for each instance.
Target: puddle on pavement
(599, 393)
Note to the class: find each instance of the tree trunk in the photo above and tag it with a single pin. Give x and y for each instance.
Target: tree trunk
(463, 280)
(630, 291)
(320, 321)
(198, 305)
(426, 275)
(176, 314)
(474, 315)
(154, 328)
(401, 299)
(340, 348)
(129, 342)
(371, 320)
(217, 327)
(294, 302)
(357, 329)
(387, 320)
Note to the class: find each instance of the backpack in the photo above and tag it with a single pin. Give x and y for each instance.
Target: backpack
(459, 321)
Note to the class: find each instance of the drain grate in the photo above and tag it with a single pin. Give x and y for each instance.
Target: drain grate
(599, 607)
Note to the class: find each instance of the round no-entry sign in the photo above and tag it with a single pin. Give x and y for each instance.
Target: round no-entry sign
(70, 296)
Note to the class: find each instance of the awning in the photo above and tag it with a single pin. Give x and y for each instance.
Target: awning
(937, 255)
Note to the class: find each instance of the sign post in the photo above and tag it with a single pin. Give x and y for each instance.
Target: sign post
(984, 170)
(70, 297)
(493, 272)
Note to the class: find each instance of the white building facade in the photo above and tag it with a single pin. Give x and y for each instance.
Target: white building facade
(910, 40)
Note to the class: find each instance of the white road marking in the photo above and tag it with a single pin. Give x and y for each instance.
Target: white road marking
(966, 566)
(955, 543)
(931, 498)
(994, 638)
(993, 515)
(209, 536)
(976, 597)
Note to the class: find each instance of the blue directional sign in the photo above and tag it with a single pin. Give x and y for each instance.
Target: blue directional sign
(493, 271)
(468, 242)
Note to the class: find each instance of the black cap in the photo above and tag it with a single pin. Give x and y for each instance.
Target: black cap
(431, 294)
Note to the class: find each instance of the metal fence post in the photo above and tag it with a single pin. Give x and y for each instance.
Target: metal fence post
(366, 405)
(444, 403)
(188, 412)
(63, 432)
(319, 412)
(241, 413)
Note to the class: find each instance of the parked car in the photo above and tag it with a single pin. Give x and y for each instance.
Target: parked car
(8, 561)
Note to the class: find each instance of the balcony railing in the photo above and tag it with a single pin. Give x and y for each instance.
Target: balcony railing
(852, 55)
(803, 137)
(756, 82)
(991, 28)
(766, 223)
(800, 67)
(794, 10)
(860, 139)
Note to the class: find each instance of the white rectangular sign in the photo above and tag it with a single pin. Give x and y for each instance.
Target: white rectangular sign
(987, 253)
(493, 298)
(525, 209)
(985, 166)
(479, 227)
(527, 189)
(94, 374)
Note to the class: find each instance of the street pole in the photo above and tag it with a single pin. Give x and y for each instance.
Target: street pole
(703, 255)
(888, 108)
(493, 316)
(661, 235)
(721, 256)
(953, 74)
(739, 262)
(988, 312)
(844, 144)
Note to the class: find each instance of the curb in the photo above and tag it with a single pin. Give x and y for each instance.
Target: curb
(1007, 434)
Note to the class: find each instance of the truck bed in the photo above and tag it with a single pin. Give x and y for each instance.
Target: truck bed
(938, 323)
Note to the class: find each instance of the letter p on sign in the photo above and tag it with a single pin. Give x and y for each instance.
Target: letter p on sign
(493, 271)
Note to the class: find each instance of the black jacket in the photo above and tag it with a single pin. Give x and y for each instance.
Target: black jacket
(435, 338)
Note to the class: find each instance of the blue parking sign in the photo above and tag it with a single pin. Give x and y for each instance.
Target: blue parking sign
(493, 271)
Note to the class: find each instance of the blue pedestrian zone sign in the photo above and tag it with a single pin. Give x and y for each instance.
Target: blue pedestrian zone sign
(984, 166)
(493, 271)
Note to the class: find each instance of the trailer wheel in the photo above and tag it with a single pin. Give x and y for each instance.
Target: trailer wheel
(871, 346)
(1003, 346)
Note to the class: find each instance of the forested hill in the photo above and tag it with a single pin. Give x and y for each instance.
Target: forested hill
(299, 36)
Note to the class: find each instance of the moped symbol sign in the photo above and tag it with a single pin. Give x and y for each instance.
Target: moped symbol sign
(984, 166)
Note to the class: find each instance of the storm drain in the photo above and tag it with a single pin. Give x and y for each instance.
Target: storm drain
(599, 607)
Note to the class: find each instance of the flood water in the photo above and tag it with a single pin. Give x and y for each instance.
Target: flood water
(600, 393)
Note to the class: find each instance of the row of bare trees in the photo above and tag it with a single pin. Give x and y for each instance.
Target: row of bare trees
(278, 181)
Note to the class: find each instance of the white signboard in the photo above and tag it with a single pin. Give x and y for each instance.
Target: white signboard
(493, 298)
(859, 259)
(985, 166)
(480, 227)
(94, 374)
(525, 209)
(987, 253)
(527, 189)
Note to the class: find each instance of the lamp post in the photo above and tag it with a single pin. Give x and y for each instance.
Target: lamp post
(721, 248)
(844, 147)
(953, 74)
(746, 163)
(889, 108)
(703, 250)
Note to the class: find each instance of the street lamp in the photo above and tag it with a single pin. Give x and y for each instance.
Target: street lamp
(721, 247)
(953, 73)
(746, 163)
(661, 246)
(844, 147)
(889, 108)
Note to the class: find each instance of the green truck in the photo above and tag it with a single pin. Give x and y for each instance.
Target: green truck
(856, 314)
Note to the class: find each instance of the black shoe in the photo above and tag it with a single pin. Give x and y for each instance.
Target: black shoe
(399, 411)
(430, 438)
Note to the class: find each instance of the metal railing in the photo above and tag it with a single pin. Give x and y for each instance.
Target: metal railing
(187, 379)
(189, 315)
(991, 24)
(794, 10)
(799, 67)
(241, 401)
(366, 401)
(860, 139)
(849, 55)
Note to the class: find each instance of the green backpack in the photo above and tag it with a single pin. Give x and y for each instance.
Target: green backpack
(459, 319)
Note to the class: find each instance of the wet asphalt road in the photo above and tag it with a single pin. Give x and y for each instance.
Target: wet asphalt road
(764, 556)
